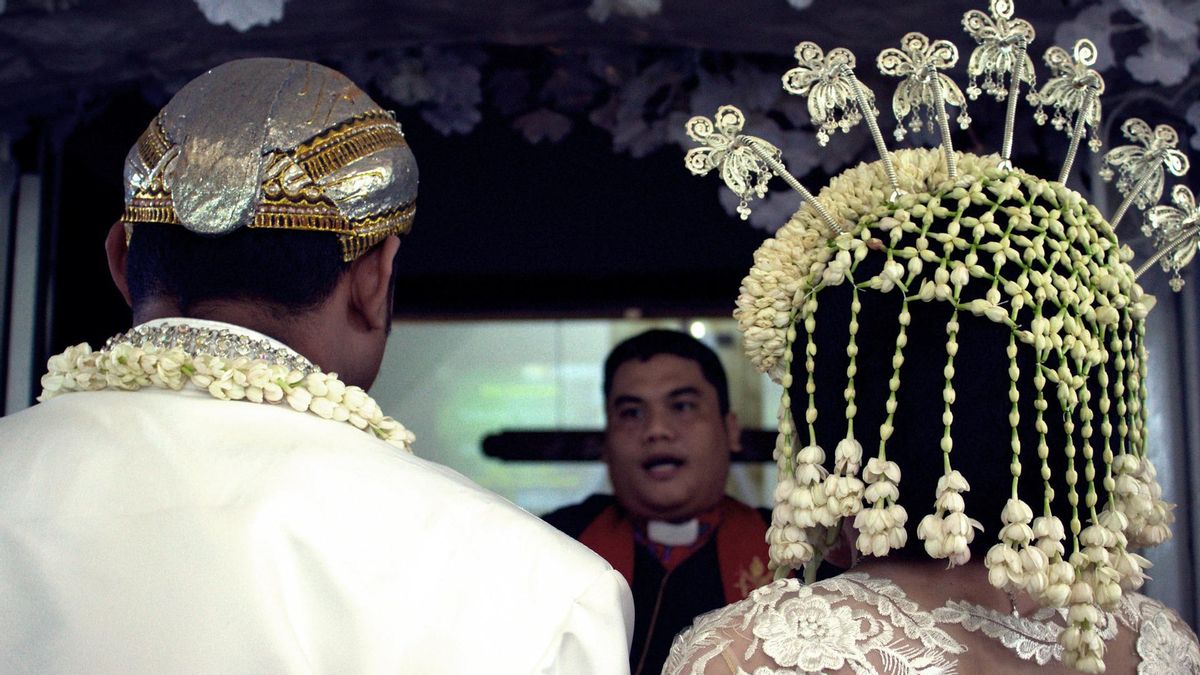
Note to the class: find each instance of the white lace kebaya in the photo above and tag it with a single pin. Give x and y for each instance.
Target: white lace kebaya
(229, 362)
(867, 625)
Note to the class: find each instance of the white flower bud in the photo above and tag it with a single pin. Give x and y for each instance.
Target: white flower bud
(299, 399)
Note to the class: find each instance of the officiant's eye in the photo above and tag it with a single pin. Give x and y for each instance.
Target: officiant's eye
(633, 412)
(685, 405)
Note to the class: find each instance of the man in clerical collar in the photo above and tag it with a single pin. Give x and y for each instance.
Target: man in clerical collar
(683, 545)
(214, 490)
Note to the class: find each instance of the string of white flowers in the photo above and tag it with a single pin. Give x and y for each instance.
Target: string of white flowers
(127, 367)
(1086, 415)
(843, 488)
(881, 523)
(1140, 392)
(1106, 427)
(788, 542)
(1048, 529)
(948, 532)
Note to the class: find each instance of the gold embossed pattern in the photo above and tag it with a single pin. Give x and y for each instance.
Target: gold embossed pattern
(291, 197)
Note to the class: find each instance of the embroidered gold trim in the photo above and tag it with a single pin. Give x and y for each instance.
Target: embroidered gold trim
(299, 213)
(150, 210)
(152, 145)
(354, 139)
(356, 236)
(371, 231)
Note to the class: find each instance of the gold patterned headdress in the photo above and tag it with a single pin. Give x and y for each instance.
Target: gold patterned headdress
(990, 246)
(278, 144)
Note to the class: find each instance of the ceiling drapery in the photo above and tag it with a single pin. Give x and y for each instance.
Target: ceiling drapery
(634, 68)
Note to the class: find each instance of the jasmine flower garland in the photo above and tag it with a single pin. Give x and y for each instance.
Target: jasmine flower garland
(1057, 279)
(127, 367)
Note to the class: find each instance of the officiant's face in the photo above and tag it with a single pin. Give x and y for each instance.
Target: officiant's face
(667, 444)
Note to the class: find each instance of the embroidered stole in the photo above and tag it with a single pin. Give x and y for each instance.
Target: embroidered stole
(741, 546)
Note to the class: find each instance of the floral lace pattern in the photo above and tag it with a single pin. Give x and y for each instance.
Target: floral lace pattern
(864, 624)
(1165, 646)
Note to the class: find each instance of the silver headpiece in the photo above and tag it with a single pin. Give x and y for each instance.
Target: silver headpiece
(274, 143)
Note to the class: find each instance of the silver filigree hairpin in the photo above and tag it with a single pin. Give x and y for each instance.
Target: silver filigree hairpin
(1176, 233)
(833, 102)
(746, 163)
(1003, 44)
(829, 82)
(1142, 168)
(1074, 90)
(923, 87)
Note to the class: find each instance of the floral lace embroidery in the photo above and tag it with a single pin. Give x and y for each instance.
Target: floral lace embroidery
(1165, 644)
(840, 622)
(1032, 638)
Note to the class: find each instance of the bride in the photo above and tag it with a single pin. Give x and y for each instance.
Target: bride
(989, 466)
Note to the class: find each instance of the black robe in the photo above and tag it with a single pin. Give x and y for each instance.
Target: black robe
(665, 603)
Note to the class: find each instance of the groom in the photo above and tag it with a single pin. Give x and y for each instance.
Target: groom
(214, 491)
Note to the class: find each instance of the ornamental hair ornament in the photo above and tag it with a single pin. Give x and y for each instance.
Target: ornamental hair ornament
(1074, 90)
(997, 245)
(1142, 166)
(746, 163)
(1176, 233)
(830, 85)
(917, 62)
(1003, 42)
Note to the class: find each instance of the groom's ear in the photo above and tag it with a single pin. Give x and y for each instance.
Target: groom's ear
(116, 251)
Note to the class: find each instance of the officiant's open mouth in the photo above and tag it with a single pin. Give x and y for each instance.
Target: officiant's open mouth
(663, 467)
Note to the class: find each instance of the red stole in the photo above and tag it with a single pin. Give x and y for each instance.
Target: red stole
(741, 546)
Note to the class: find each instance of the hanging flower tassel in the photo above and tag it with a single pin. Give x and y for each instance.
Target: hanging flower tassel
(843, 488)
(1095, 590)
(1130, 567)
(881, 525)
(1049, 535)
(948, 532)
(789, 545)
(1156, 526)
(1016, 564)
(807, 497)
(1130, 495)
(787, 542)
(1083, 647)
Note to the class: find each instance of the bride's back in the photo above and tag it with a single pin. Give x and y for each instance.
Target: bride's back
(910, 617)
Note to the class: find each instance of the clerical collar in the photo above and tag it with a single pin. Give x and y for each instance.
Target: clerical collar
(672, 543)
(216, 338)
(673, 534)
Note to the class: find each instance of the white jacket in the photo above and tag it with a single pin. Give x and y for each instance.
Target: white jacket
(169, 532)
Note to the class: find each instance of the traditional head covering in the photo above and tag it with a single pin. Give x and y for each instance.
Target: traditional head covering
(949, 249)
(274, 143)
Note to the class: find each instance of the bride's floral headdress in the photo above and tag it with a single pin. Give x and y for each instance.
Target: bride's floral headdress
(992, 241)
